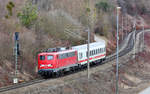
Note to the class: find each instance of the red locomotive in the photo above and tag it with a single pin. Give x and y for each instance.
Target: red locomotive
(58, 60)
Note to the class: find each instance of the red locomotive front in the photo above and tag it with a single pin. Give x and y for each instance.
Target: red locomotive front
(53, 62)
(46, 61)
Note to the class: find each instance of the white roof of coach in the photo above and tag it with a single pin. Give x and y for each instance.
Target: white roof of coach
(92, 45)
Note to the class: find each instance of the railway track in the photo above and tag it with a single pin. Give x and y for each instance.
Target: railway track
(128, 48)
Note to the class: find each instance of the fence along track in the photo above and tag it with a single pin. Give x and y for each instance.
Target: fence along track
(130, 45)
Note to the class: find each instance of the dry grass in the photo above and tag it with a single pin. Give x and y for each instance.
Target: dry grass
(50, 31)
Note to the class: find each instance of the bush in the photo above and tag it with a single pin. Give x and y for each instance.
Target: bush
(28, 15)
(104, 6)
(59, 28)
(9, 8)
(105, 18)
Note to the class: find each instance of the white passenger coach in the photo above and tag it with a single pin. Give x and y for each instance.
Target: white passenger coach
(97, 52)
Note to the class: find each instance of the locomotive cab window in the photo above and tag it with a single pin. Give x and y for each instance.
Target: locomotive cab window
(42, 57)
(50, 57)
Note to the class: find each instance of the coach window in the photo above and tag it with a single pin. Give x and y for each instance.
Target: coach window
(103, 49)
(86, 54)
(92, 52)
(80, 55)
(42, 57)
(50, 57)
(96, 51)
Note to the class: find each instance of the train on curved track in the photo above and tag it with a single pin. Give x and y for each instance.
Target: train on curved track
(55, 61)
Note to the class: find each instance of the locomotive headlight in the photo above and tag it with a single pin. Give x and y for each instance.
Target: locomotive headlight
(49, 65)
(42, 65)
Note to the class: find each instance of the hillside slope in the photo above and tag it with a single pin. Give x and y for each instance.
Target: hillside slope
(59, 23)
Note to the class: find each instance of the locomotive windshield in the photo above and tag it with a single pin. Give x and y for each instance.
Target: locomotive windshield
(50, 57)
(42, 57)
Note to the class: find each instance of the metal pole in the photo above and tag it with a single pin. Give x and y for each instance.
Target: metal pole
(15, 80)
(122, 27)
(16, 57)
(134, 26)
(143, 36)
(117, 77)
(88, 46)
(88, 54)
(135, 31)
(126, 25)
